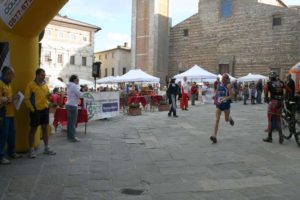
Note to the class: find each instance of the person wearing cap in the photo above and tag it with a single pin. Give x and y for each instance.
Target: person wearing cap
(276, 89)
(172, 92)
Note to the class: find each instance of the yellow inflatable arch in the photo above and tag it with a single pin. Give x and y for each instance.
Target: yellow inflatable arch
(21, 22)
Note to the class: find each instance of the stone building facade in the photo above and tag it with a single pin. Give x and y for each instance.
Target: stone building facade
(115, 62)
(150, 36)
(238, 37)
(68, 48)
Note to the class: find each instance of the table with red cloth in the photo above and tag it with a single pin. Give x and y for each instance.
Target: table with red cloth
(156, 99)
(61, 117)
(137, 100)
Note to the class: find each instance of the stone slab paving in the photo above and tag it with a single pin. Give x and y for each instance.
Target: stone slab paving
(155, 157)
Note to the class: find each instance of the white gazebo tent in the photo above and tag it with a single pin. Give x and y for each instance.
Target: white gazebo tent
(106, 80)
(196, 73)
(55, 83)
(86, 82)
(137, 75)
(252, 77)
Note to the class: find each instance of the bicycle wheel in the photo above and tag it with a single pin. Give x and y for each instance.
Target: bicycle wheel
(286, 127)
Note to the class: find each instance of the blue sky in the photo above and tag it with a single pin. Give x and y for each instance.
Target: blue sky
(114, 17)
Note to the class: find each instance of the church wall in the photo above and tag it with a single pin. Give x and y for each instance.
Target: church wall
(247, 41)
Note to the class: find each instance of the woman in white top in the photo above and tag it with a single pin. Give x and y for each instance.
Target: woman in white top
(73, 95)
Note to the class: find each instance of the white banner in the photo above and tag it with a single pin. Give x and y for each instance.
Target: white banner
(11, 11)
(102, 105)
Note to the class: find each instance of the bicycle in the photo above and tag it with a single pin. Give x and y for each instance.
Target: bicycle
(290, 121)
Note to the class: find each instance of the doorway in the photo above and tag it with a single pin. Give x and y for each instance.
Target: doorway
(223, 68)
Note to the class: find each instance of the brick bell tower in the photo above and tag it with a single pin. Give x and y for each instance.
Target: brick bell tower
(150, 37)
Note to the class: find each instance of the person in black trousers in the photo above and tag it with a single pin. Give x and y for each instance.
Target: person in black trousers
(172, 92)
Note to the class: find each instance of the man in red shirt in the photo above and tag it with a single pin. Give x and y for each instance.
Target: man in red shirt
(184, 92)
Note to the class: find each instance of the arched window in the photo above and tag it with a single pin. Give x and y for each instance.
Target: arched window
(226, 8)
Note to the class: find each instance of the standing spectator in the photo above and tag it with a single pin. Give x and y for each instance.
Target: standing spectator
(290, 84)
(7, 126)
(73, 95)
(172, 93)
(252, 92)
(240, 91)
(245, 93)
(235, 90)
(200, 97)
(84, 88)
(36, 98)
(216, 83)
(259, 90)
(194, 92)
(223, 97)
(276, 89)
(184, 92)
(55, 97)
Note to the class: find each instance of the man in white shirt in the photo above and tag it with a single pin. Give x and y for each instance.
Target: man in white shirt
(73, 95)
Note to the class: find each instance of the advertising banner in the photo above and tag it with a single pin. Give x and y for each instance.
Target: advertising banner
(102, 105)
(11, 11)
(4, 55)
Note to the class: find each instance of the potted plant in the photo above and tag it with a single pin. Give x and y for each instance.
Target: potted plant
(163, 105)
(134, 109)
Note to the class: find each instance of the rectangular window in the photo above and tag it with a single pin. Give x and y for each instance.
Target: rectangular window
(47, 56)
(226, 8)
(60, 58)
(72, 60)
(83, 61)
(112, 55)
(48, 33)
(73, 36)
(223, 68)
(124, 70)
(113, 71)
(61, 34)
(186, 32)
(99, 57)
(105, 73)
(105, 56)
(276, 21)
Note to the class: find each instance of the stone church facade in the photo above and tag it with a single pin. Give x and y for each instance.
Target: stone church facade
(238, 37)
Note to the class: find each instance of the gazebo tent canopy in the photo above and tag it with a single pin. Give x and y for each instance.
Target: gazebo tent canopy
(55, 83)
(137, 75)
(196, 73)
(252, 77)
(86, 82)
(107, 80)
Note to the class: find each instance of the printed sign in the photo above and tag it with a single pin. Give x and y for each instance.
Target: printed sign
(11, 11)
(102, 105)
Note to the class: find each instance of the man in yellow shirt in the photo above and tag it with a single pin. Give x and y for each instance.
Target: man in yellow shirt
(36, 99)
(7, 112)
